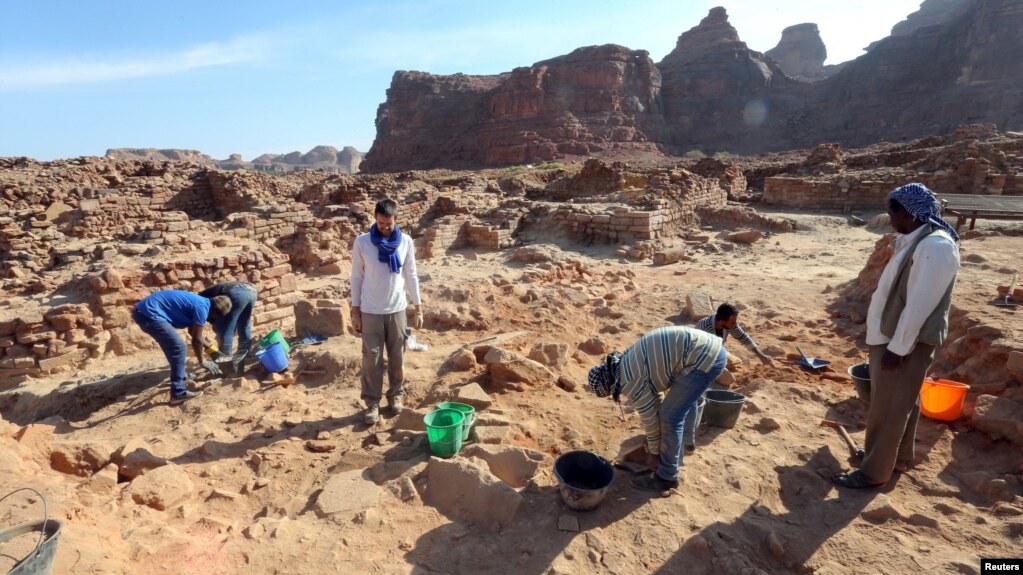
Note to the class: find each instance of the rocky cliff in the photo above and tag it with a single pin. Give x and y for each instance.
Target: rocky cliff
(596, 99)
(321, 158)
(801, 52)
(951, 63)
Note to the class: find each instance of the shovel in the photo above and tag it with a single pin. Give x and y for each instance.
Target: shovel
(811, 362)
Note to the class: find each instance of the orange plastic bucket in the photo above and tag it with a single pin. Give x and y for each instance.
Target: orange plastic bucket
(942, 399)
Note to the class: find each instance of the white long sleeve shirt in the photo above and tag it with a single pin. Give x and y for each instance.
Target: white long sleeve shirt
(935, 264)
(374, 288)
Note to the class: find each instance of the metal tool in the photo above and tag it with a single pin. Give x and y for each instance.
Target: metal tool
(853, 450)
(1008, 293)
(811, 362)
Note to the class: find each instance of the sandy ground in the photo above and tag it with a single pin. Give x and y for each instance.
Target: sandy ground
(249, 493)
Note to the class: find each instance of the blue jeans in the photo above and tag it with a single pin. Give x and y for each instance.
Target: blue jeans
(174, 348)
(681, 397)
(243, 299)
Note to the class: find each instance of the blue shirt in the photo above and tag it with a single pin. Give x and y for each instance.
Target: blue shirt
(179, 308)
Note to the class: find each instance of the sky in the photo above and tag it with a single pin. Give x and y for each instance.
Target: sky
(255, 77)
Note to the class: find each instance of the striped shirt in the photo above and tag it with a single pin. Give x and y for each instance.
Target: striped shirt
(649, 366)
(707, 324)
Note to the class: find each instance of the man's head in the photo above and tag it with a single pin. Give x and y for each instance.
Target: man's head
(220, 306)
(603, 378)
(726, 317)
(902, 221)
(912, 206)
(385, 212)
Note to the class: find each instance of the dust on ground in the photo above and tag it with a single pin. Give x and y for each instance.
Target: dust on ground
(263, 478)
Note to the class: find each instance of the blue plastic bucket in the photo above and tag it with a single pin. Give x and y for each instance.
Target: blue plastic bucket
(273, 358)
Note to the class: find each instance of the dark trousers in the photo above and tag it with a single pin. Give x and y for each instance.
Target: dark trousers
(243, 299)
(894, 411)
(174, 348)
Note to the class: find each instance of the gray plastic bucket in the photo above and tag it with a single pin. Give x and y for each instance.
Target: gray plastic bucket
(40, 560)
(583, 479)
(723, 408)
(860, 374)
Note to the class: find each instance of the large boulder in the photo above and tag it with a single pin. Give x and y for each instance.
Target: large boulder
(1000, 417)
(322, 317)
(513, 465)
(462, 489)
(162, 488)
(508, 367)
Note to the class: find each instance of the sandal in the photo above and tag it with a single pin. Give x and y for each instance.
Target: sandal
(903, 466)
(860, 452)
(854, 480)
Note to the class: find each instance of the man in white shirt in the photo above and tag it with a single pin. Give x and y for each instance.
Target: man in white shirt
(906, 322)
(383, 267)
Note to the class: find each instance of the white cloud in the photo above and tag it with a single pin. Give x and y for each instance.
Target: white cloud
(99, 69)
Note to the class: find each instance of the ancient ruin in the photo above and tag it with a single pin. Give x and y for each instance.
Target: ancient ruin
(530, 274)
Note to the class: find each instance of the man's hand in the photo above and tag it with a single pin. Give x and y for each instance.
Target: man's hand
(765, 359)
(211, 367)
(891, 361)
(356, 319)
(417, 320)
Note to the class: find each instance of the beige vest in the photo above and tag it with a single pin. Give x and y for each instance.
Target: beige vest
(935, 327)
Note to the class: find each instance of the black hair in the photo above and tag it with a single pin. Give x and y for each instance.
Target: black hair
(895, 206)
(725, 311)
(386, 207)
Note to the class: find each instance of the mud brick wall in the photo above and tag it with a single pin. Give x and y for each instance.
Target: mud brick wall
(40, 342)
(111, 216)
(59, 339)
(446, 233)
(268, 222)
(826, 195)
(487, 237)
(625, 225)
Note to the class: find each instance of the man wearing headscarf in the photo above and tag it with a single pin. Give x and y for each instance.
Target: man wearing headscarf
(383, 267)
(662, 375)
(906, 322)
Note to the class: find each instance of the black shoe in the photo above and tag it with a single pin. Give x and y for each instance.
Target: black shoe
(653, 483)
(179, 399)
(690, 448)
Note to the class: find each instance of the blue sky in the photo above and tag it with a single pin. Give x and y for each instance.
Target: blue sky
(79, 77)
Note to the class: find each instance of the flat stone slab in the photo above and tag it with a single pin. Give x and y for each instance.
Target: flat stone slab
(347, 494)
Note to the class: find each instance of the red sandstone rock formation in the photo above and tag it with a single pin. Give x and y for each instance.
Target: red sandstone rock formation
(801, 52)
(596, 99)
(712, 94)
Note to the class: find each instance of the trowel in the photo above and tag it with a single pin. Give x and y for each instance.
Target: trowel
(1008, 293)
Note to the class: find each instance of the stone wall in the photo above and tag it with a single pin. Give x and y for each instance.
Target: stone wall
(50, 341)
(845, 193)
(667, 217)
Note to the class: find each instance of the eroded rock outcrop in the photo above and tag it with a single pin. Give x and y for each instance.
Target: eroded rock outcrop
(952, 63)
(801, 52)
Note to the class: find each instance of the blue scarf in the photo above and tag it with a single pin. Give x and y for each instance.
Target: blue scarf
(387, 248)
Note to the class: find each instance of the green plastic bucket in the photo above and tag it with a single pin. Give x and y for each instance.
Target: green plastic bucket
(444, 430)
(275, 336)
(466, 410)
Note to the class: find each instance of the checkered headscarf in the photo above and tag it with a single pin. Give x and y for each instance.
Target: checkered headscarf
(923, 205)
(604, 378)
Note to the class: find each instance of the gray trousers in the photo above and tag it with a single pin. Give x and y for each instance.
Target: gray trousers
(894, 411)
(379, 333)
